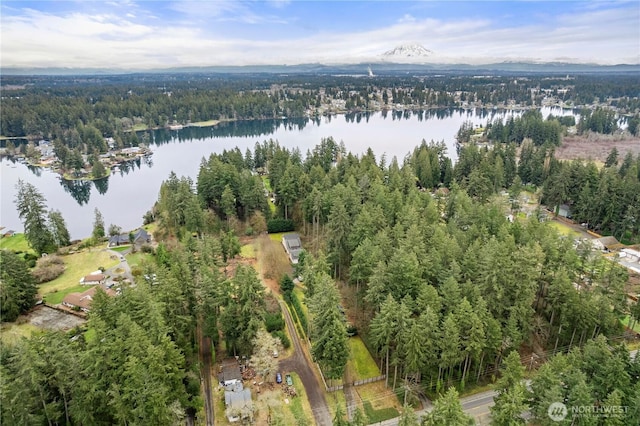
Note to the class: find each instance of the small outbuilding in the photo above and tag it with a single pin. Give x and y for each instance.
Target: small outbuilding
(93, 279)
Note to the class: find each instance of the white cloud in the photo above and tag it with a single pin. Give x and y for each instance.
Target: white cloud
(120, 38)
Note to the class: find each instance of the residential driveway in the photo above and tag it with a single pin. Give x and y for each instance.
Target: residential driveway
(123, 265)
(299, 364)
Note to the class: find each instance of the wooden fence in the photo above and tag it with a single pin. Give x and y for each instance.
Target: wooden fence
(369, 380)
(356, 383)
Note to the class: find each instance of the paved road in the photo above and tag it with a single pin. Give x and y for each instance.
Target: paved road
(299, 364)
(476, 406)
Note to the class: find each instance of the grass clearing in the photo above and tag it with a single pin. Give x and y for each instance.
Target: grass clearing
(77, 266)
(563, 229)
(120, 249)
(377, 416)
(267, 183)
(364, 366)
(248, 251)
(207, 123)
(138, 258)
(379, 403)
(139, 127)
(277, 236)
(272, 258)
(17, 242)
(56, 297)
(11, 333)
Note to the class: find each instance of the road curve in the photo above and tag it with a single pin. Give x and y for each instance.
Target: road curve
(299, 364)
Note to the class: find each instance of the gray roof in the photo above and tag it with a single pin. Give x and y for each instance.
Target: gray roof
(141, 235)
(237, 399)
(608, 241)
(230, 372)
(293, 241)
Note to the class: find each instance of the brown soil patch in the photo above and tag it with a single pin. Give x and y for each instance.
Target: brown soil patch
(596, 147)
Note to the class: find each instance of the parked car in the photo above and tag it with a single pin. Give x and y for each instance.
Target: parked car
(278, 378)
(289, 379)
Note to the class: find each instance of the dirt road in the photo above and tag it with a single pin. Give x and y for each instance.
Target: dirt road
(299, 363)
(205, 360)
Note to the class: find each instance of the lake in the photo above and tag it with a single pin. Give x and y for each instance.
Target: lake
(124, 197)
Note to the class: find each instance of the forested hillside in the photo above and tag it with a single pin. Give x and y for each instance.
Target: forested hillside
(445, 285)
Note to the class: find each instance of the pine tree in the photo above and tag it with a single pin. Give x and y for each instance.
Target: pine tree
(58, 228)
(447, 411)
(17, 286)
(98, 226)
(31, 206)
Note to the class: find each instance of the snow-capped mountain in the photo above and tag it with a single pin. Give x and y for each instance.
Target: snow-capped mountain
(406, 52)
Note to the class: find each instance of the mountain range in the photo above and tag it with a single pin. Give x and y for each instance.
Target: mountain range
(403, 59)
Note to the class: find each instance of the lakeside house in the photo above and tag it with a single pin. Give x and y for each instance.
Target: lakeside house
(141, 236)
(293, 246)
(82, 301)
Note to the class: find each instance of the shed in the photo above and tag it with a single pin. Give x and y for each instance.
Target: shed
(92, 279)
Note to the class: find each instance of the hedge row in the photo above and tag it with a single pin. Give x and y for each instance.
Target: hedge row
(292, 300)
(279, 225)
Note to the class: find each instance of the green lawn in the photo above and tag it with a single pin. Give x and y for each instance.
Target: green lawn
(248, 251)
(376, 416)
(56, 297)
(277, 236)
(139, 127)
(138, 258)
(563, 229)
(15, 243)
(77, 266)
(267, 183)
(207, 123)
(363, 363)
(120, 249)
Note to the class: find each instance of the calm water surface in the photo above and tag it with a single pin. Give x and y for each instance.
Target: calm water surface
(124, 197)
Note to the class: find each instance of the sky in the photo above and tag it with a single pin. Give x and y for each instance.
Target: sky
(130, 34)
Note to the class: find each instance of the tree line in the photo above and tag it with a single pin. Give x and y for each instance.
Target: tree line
(446, 286)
